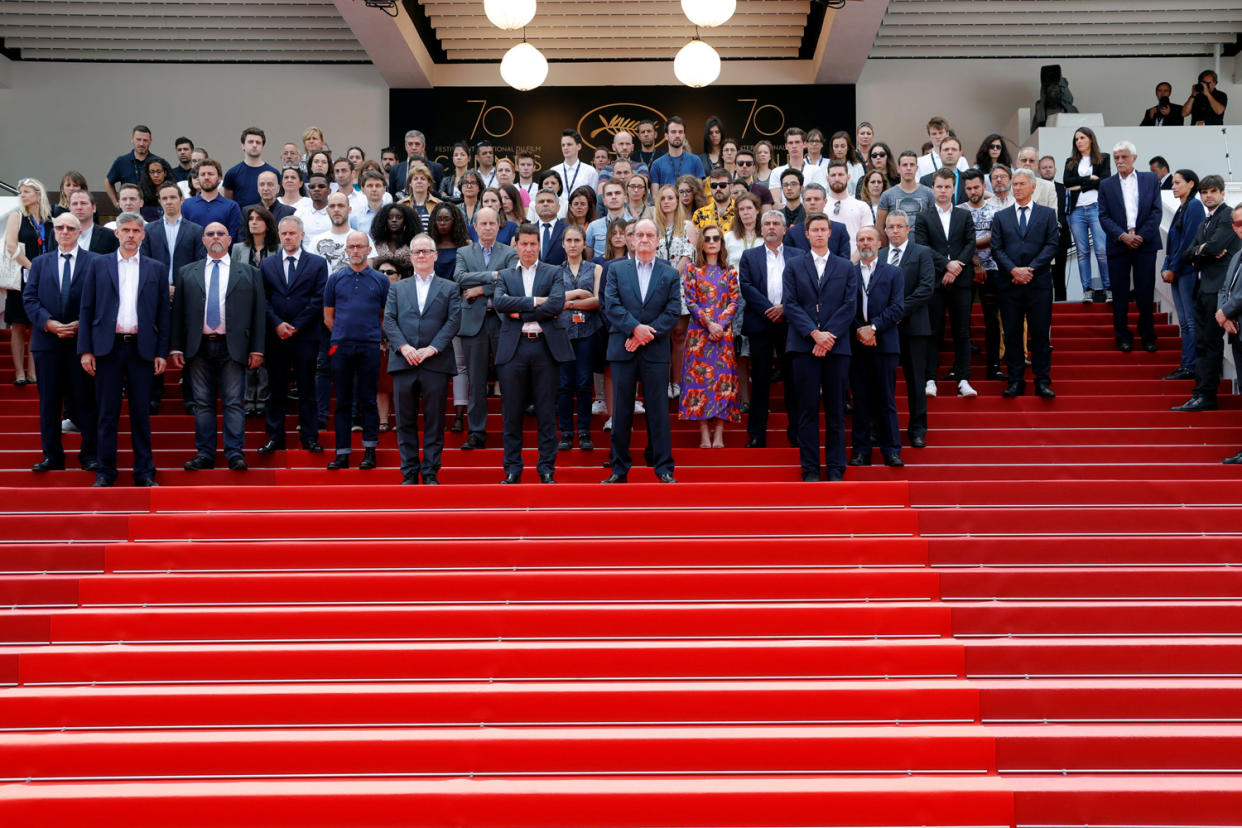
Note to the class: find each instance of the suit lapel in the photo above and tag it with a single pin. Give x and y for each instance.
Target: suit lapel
(236, 274)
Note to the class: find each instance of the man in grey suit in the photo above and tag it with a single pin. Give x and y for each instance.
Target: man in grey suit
(478, 269)
(533, 343)
(421, 317)
(1229, 307)
(217, 329)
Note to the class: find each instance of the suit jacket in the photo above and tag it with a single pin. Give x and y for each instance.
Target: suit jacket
(958, 246)
(1179, 244)
(752, 280)
(101, 301)
(471, 272)
(1113, 212)
(1219, 244)
(1062, 206)
(435, 325)
(1071, 177)
(838, 242)
(1174, 118)
(919, 270)
(244, 310)
(555, 252)
(1166, 183)
(510, 297)
(885, 305)
(279, 209)
(300, 302)
(104, 241)
(625, 309)
(187, 248)
(41, 295)
(1229, 298)
(1035, 250)
(959, 195)
(827, 305)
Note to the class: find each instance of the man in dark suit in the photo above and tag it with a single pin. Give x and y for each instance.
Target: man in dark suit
(914, 333)
(217, 329)
(814, 198)
(293, 284)
(1229, 308)
(875, 352)
(761, 281)
(950, 234)
(175, 241)
(421, 317)
(123, 335)
(1024, 240)
(953, 152)
(820, 293)
(268, 185)
(92, 238)
(1159, 167)
(533, 344)
(52, 298)
(415, 150)
(478, 268)
(1048, 171)
(1164, 113)
(551, 250)
(1130, 211)
(1214, 246)
(642, 303)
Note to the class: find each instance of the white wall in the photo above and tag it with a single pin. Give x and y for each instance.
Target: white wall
(62, 116)
(979, 96)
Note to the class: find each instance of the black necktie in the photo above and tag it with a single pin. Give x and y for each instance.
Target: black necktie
(289, 264)
(547, 237)
(66, 279)
(1022, 220)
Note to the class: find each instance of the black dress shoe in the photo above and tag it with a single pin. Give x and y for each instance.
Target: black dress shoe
(997, 375)
(90, 465)
(512, 479)
(614, 478)
(1043, 389)
(666, 478)
(313, 447)
(892, 458)
(410, 480)
(1196, 404)
(1015, 389)
(1125, 347)
(530, 411)
(271, 447)
(473, 442)
(860, 459)
(341, 461)
(430, 480)
(566, 443)
(546, 478)
(145, 482)
(756, 442)
(101, 482)
(154, 407)
(835, 475)
(793, 440)
(584, 442)
(952, 376)
(1236, 460)
(810, 477)
(199, 462)
(238, 463)
(368, 458)
(1149, 347)
(918, 441)
(1181, 374)
(46, 465)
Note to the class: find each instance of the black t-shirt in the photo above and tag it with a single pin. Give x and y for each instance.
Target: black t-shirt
(1201, 110)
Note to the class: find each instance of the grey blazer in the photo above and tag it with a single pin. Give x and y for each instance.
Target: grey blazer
(436, 325)
(471, 272)
(244, 310)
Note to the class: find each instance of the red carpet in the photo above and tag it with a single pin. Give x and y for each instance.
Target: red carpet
(1037, 622)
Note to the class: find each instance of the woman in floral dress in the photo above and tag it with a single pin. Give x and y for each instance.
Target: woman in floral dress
(709, 385)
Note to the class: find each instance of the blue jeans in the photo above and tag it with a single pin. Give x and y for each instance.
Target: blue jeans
(213, 373)
(1184, 301)
(1084, 224)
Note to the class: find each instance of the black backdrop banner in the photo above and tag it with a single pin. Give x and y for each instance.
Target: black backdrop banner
(532, 121)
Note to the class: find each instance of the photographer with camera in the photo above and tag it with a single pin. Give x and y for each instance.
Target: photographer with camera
(1163, 113)
(1206, 104)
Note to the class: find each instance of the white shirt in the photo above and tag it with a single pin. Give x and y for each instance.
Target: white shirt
(489, 179)
(851, 212)
(314, 222)
(84, 240)
(820, 264)
(73, 264)
(645, 269)
(946, 217)
(931, 162)
(735, 246)
(776, 274)
(811, 174)
(528, 289)
(574, 176)
(867, 272)
(1045, 193)
(1028, 207)
(224, 286)
(171, 229)
(421, 286)
(1130, 195)
(1000, 203)
(1086, 197)
(127, 287)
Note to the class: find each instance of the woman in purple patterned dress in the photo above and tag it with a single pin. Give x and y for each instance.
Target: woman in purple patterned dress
(709, 386)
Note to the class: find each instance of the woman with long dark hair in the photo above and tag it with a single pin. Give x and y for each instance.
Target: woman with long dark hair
(992, 152)
(713, 137)
(470, 186)
(155, 172)
(581, 208)
(292, 186)
(259, 239)
(70, 183)
(1084, 170)
(447, 228)
(1179, 269)
(450, 185)
(392, 228)
(881, 158)
(574, 392)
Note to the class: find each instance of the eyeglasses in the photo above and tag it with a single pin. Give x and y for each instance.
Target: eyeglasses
(815, 140)
(421, 251)
(685, 192)
(742, 163)
(212, 234)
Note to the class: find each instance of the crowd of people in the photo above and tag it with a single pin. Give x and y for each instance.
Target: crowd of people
(706, 278)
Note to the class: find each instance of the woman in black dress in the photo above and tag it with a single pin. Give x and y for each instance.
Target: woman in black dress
(27, 234)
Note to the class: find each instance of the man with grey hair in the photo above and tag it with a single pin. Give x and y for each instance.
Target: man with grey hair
(1130, 211)
(918, 266)
(1045, 191)
(415, 151)
(760, 279)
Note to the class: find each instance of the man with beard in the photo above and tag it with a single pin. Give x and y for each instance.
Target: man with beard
(209, 205)
(981, 212)
(331, 245)
(873, 363)
(843, 208)
(676, 162)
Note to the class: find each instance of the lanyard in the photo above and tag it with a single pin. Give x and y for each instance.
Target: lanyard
(569, 188)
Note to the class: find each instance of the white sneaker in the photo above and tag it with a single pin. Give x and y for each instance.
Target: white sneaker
(930, 388)
(67, 426)
(964, 389)
(608, 424)
(638, 407)
(598, 407)
(674, 391)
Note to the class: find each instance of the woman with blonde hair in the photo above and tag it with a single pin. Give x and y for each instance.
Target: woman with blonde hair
(27, 234)
(672, 218)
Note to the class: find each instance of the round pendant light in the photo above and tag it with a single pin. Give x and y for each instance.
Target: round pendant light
(697, 64)
(509, 14)
(524, 67)
(708, 13)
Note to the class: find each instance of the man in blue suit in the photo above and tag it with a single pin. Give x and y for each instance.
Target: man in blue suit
(761, 275)
(52, 298)
(123, 335)
(533, 344)
(1130, 211)
(642, 303)
(820, 293)
(550, 228)
(293, 284)
(876, 351)
(1024, 242)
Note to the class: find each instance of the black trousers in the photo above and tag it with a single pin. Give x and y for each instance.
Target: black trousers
(1058, 264)
(957, 301)
(409, 389)
(1133, 274)
(1209, 345)
(767, 350)
(914, 369)
(355, 368)
(64, 386)
(1024, 303)
(123, 367)
(530, 377)
(296, 356)
(873, 385)
(823, 379)
(989, 303)
(626, 375)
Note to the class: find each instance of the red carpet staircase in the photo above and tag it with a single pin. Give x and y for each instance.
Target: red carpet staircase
(1038, 622)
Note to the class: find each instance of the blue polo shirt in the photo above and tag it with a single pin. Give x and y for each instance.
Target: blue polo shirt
(666, 169)
(221, 209)
(358, 299)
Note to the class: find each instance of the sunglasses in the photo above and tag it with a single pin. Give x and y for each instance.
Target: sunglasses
(388, 271)
(996, 146)
(879, 155)
(742, 163)
(720, 185)
(212, 234)
(710, 239)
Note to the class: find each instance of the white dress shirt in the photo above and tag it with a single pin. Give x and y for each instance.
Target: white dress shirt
(867, 272)
(645, 269)
(946, 217)
(931, 162)
(224, 286)
(528, 289)
(84, 240)
(776, 273)
(820, 264)
(314, 222)
(284, 263)
(422, 284)
(127, 288)
(574, 176)
(1130, 195)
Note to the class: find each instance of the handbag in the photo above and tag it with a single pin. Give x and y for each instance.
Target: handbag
(10, 270)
